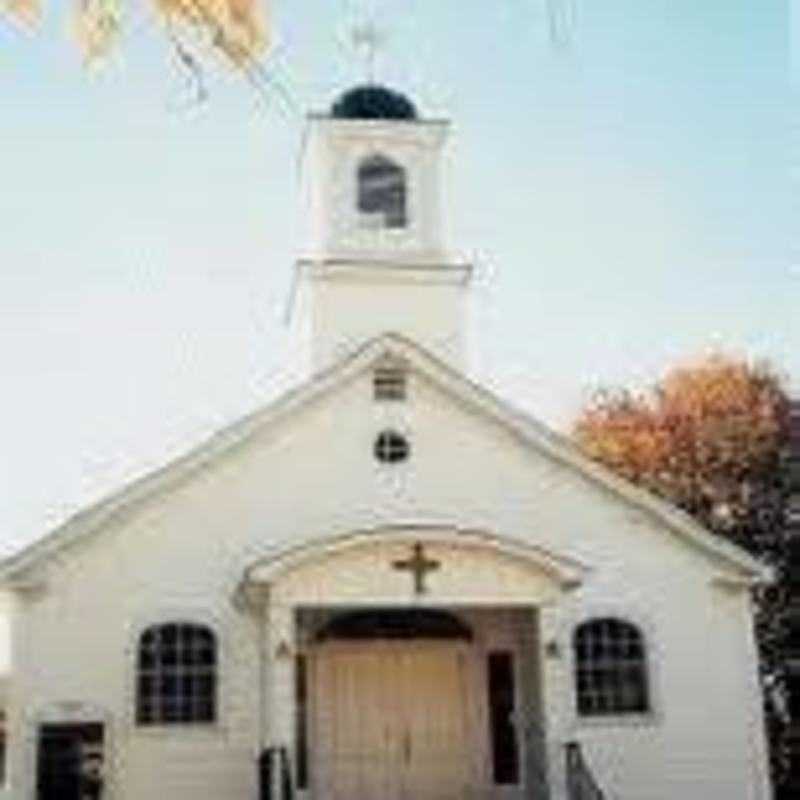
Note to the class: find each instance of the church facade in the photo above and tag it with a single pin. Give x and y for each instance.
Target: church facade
(388, 584)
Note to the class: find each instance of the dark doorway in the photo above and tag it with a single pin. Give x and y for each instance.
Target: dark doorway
(69, 763)
(395, 623)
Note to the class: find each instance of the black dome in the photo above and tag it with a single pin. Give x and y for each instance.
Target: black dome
(373, 102)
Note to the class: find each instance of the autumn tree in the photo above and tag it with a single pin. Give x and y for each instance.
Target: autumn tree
(712, 438)
(235, 30)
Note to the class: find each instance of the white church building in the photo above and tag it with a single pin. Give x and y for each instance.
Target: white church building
(388, 584)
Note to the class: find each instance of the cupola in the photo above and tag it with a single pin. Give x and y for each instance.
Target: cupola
(375, 258)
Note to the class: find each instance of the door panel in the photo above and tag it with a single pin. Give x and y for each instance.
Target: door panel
(389, 723)
(435, 729)
(356, 744)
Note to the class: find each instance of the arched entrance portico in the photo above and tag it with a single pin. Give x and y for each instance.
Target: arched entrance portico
(407, 662)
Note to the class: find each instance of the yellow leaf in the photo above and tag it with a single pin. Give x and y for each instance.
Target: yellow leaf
(97, 25)
(25, 12)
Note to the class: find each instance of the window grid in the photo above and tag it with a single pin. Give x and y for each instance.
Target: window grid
(176, 676)
(611, 669)
(391, 447)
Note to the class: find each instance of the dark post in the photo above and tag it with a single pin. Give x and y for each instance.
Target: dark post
(265, 775)
(791, 650)
(271, 759)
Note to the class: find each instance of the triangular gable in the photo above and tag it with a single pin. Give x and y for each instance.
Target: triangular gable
(392, 346)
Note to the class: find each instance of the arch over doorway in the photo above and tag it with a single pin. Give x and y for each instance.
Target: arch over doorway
(363, 568)
(394, 624)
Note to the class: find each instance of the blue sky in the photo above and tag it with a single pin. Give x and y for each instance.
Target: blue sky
(627, 200)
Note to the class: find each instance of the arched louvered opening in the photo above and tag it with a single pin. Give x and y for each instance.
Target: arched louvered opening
(382, 190)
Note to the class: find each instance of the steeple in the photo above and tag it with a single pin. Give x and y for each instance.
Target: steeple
(374, 257)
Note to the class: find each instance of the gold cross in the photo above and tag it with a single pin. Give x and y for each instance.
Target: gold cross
(419, 566)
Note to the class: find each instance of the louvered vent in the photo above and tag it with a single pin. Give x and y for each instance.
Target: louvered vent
(390, 383)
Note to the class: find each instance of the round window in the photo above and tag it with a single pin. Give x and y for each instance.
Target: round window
(391, 447)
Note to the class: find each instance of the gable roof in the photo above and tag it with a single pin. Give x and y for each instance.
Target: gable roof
(392, 346)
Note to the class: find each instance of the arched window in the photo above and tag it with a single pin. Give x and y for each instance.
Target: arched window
(176, 675)
(382, 190)
(610, 668)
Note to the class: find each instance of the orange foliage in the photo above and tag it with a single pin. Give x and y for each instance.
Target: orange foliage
(700, 438)
(235, 28)
(26, 12)
(96, 25)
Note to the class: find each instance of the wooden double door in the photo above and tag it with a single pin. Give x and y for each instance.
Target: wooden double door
(389, 721)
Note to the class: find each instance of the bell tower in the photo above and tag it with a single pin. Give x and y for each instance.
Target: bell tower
(375, 257)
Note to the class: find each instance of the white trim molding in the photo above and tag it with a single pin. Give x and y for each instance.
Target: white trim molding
(735, 562)
(566, 572)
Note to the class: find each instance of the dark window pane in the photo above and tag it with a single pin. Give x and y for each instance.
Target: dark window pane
(186, 708)
(168, 656)
(168, 687)
(187, 635)
(187, 685)
(146, 686)
(382, 190)
(205, 685)
(170, 711)
(176, 668)
(204, 637)
(204, 710)
(147, 657)
(505, 751)
(169, 635)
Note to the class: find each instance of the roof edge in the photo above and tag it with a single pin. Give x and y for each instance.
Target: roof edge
(529, 429)
(89, 518)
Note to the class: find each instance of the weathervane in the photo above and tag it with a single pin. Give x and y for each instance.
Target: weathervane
(563, 20)
(366, 39)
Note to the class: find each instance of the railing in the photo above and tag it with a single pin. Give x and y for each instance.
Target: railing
(581, 784)
(275, 774)
(535, 750)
